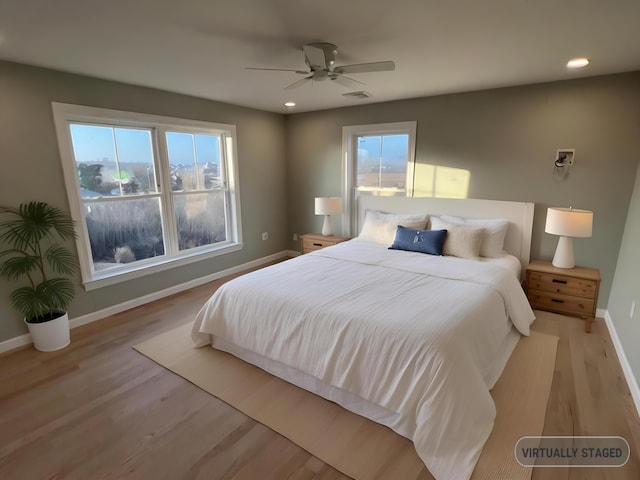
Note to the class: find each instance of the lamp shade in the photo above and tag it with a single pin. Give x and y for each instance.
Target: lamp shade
(569, 222)
(328, 205)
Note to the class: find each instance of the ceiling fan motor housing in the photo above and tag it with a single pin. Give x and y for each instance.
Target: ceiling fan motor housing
(330, 52)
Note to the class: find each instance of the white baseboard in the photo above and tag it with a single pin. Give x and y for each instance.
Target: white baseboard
(15, 342)
(624, 363)
(25, 339)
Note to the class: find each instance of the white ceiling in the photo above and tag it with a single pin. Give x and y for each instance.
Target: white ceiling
(201, 47)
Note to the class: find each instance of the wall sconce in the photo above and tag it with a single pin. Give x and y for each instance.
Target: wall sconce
(328, 206)
(567, 223)
(565, 157)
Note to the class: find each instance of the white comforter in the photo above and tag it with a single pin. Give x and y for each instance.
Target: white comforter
(417, 334)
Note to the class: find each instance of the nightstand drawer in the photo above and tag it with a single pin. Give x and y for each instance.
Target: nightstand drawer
(562, 284)
(309, 244)
(312, 241)
(557, 302)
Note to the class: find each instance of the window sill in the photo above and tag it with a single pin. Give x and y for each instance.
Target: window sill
(122, 275)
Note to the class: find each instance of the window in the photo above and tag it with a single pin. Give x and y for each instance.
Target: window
(379, 159)
(147, 192)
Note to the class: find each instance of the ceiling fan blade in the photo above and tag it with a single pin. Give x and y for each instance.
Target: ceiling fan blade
(388, 66)
(315, 56)
(298, 83)
(300, 72)
(346, 81)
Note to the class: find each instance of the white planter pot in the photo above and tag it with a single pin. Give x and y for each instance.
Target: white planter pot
(51, 335)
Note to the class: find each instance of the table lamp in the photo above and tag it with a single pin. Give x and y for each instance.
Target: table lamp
(328, 206)
(568, 223)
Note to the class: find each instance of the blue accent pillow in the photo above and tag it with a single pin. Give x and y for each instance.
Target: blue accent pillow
(423, 241)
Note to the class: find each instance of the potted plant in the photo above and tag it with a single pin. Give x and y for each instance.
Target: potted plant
(29, 236)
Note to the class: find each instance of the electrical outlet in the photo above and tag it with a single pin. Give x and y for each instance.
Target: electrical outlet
(265, 236)
(295, 237)
(633, 309)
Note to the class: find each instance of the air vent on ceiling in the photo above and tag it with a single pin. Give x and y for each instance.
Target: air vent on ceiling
(359, 95)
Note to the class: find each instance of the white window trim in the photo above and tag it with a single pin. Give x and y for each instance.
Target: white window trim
(349, 169)
(64, 113)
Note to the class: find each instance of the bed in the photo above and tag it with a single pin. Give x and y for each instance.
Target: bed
(412, 341)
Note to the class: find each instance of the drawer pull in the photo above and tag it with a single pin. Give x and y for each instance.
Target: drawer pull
(555, 280)
(557, 301)
(317, 245)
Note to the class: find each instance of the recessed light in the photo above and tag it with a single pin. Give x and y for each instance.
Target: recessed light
(577, 63)
(290, 104)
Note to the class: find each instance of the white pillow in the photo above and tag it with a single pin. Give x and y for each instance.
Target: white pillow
(380, 227)
(463, 242)
(494, 232)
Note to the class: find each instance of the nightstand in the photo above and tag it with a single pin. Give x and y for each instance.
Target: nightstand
(315, 241)
(569, 291)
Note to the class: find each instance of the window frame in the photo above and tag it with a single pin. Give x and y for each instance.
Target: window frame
(350, 190)
(65, 114)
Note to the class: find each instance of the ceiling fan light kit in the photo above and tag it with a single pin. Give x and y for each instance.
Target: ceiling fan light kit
(321, 58)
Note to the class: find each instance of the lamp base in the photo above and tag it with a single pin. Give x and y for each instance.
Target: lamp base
(563, 257)
(327, 228)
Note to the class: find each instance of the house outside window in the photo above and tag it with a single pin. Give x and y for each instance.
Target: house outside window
(147, 192)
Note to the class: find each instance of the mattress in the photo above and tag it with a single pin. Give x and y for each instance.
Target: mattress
(412, 341)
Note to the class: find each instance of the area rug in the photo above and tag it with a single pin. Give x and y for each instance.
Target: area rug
(360, 448)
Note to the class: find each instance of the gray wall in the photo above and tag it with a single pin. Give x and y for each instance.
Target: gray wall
(30, 169)
(507, 138)
(626, 285)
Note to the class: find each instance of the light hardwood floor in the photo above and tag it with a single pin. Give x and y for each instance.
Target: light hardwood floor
(99, 409)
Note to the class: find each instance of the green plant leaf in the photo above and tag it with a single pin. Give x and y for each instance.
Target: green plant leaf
(29, 302)
(50, 296)
(13, 235)
(61, 223)
(13, 268)
(59, 293)
(31, 222)
(28, 225)
(61, 260)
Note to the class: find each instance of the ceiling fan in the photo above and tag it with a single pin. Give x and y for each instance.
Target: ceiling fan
(321, 58)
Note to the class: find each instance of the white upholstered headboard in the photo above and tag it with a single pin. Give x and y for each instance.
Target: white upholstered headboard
(520, 215)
